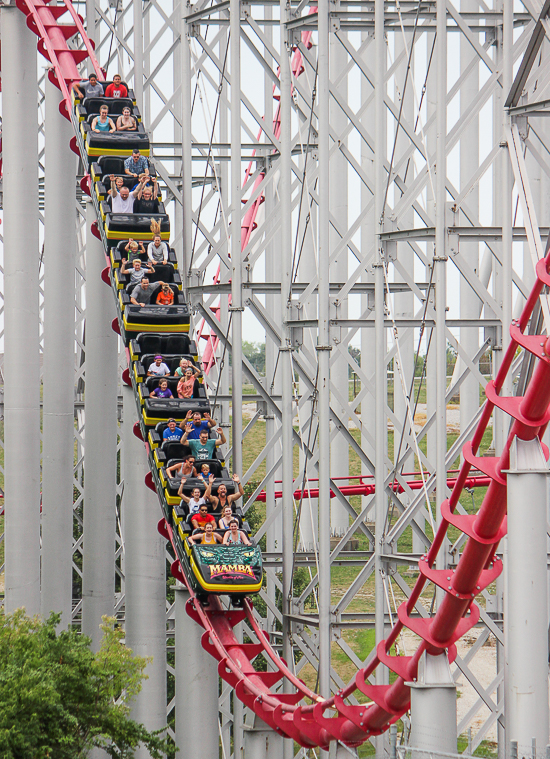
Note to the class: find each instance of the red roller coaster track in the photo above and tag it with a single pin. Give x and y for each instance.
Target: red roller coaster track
(476, 569)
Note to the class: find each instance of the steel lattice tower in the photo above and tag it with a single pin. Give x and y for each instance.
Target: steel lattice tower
(300, 150)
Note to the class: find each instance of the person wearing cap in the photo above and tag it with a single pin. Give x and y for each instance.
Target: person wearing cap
(158, 368)
(136, 164)
(173, 433)
(88, 88)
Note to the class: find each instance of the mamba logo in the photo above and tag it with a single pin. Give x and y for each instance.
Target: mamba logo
(224, 569)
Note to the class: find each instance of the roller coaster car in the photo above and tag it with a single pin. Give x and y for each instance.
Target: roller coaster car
(199, 393)
(115, 105)
(121, 226)
(103, 186)
(170, 450)
(172, 362)
(106, 165)
(166, 345)
(116, 143)
(224, 570)
(117, 253)
(155, 437)
(158, 409)
(105, 84)
(181, 519)
(162, 273)
(181, 511)
(153, 317)
(172, 484)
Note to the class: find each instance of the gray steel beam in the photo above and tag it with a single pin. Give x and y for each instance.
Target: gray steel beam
(98, 583)
(197, 726)
(145, 576)
(323, 351)
(59, 351)
(526, 621)
(21, 346)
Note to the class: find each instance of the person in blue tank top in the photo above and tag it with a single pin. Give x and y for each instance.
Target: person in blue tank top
(103, 123)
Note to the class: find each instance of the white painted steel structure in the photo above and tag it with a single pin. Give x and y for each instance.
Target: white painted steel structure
(415, 261)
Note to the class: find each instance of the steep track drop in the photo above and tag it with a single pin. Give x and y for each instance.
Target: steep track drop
(476, 569)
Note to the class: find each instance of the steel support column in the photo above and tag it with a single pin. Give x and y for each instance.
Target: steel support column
(184, 256)
(21, 347)
(197, 732)
(526, 599)
(261, 742)
(507, 216)
(285, 356)
(98, 584)
(338, 198)
(236, 307)
(440, 264)
(145, 576)
(323, 350)
(59, 351)
(138, 52)
(380, 419)
(433, 708)
(469, 163)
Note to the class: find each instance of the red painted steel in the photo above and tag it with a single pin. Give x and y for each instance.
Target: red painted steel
(309, 725)
(476, 481)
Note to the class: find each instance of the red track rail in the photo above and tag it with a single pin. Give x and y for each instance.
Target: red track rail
(477, 567)
(363, 488)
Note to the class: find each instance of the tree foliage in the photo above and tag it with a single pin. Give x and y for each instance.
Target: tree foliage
(255, 353)
(58, 699)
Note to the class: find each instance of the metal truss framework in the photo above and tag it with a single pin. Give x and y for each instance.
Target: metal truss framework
(393, 242)
(461, 237)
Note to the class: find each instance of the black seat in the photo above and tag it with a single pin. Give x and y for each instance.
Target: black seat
(131, 94)
(118, 252)
(106, 165)
(216, 468)
(103, 185)
(179, 299)
(172, 362)
(129, 182)
(163, 344)
(173, 450)
(115, 105)
(162, 273)
(153, 382)
(121, 226)
(196, 482)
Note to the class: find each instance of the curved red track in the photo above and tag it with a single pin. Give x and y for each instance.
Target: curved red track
(476, 569)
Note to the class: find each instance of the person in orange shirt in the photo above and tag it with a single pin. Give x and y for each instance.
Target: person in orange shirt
(165, 296)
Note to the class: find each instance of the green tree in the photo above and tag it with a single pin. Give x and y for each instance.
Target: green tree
(58, 699)
(255, 353)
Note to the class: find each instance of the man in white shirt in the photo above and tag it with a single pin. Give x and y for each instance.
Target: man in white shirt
(122, 201)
